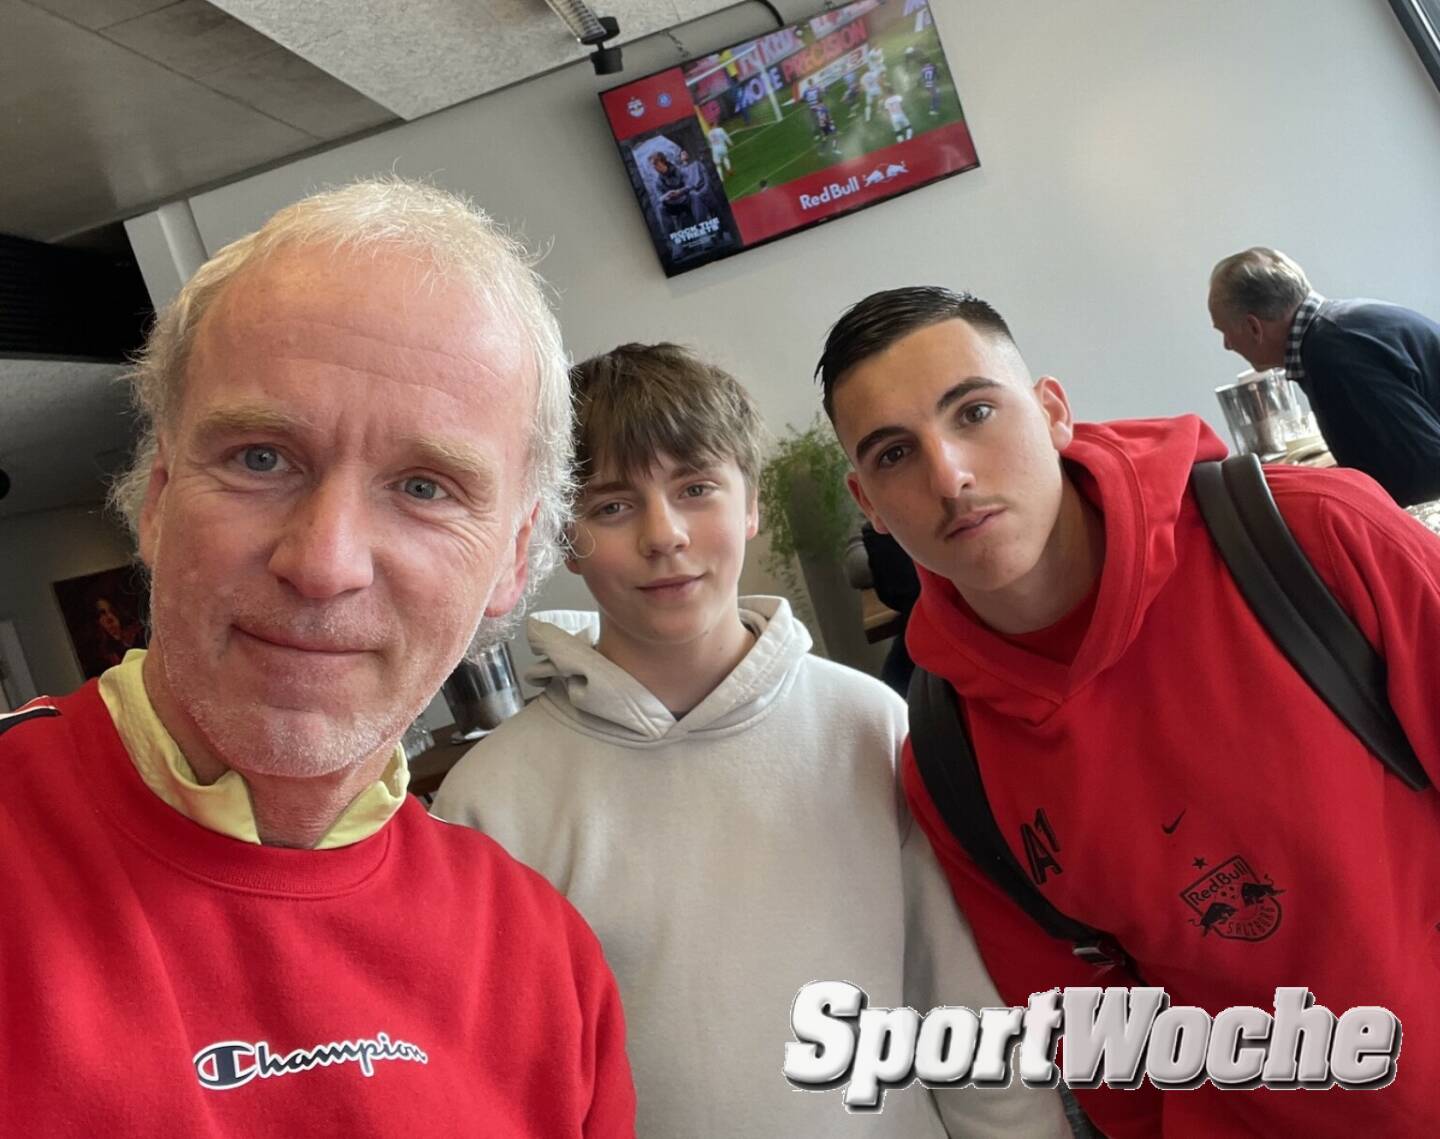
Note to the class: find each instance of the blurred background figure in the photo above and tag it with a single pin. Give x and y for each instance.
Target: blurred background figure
(1371, 370)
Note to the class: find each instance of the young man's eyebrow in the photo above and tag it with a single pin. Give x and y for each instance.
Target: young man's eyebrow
(951, 396)
(680, 471)
(700, 467)
(610, 486)
(966, 386)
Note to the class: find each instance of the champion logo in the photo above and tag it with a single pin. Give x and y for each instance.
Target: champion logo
(636, 108)
(232, 1063)
(663, 99)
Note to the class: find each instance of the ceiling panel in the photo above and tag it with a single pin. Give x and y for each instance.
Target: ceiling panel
(425, 55)
(112, 107)
(90, 130)
(297, 92)
(100, 13)
(192, 37)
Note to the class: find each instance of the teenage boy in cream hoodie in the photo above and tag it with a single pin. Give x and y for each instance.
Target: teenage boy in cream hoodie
(718, 803)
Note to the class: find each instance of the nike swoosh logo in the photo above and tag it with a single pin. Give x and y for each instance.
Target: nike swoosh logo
(1171, 828)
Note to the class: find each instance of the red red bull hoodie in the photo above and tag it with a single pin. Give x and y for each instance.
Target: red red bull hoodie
(1179, 784)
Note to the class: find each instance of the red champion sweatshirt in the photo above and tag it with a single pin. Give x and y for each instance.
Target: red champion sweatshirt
(159, 978)
(1180, 760)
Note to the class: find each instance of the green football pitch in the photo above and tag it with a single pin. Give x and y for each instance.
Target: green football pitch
(767, 152)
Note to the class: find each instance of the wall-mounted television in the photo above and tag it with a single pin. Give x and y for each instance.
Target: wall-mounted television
(794, 128)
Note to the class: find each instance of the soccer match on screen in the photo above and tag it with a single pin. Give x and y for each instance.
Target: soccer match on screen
(888, 84)
(789, 129)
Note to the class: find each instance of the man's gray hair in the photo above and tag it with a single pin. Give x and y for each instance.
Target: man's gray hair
(461, 246)
(1261, 282)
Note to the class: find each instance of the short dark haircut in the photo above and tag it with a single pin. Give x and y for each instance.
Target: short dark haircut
(877, 322)
(640, 401)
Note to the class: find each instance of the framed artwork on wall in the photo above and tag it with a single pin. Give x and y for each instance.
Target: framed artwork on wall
(105, 615)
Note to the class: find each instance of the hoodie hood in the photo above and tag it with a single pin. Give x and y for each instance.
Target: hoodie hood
(1136, 472)
(601, 698)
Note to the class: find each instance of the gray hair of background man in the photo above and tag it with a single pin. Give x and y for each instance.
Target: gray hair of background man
(1259, 282)
(871, 326)
(463, 248)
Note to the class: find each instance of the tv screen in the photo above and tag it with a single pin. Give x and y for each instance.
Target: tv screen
(791, 129)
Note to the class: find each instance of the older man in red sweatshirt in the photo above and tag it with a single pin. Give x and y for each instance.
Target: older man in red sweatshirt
(1136, 729)
(222, 914)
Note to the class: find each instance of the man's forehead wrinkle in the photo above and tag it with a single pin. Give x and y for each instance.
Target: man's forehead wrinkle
(410, 374)
(307, 286)
(385, 342)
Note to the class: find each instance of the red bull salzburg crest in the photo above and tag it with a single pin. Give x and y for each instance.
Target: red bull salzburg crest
(1233, 901)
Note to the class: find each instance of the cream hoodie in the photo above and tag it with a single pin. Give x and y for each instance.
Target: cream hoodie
(727, 858)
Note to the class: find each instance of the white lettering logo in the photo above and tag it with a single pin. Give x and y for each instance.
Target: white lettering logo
(232, 1063)
(831, 193)
(1114, 1036)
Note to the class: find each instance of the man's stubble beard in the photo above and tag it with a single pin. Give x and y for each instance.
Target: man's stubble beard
(287, 742)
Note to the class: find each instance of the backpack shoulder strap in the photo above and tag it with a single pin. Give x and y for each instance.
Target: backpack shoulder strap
(1299, 612)
(946, 762)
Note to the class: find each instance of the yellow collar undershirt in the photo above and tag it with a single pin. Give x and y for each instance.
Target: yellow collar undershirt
(224, 806)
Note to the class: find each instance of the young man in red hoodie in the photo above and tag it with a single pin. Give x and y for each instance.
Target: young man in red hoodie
(1140, 737)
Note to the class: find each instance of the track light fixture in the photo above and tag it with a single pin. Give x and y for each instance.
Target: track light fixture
(592, 31)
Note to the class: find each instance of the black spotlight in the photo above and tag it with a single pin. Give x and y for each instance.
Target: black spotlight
(606, 60)
(592, 31)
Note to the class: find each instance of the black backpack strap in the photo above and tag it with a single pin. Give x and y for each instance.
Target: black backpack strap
(1301, 615)
(946, 762)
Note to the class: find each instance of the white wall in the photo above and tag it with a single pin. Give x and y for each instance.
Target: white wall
(36, 550)
(1125, 148)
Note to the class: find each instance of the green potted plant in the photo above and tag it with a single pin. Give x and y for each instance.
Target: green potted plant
(808, 516)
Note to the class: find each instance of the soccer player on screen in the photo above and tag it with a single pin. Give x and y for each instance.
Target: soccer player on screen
(720, 144)
(828, 138)
(930, 80)
(899, 121)
(870, 84)
(815, 104)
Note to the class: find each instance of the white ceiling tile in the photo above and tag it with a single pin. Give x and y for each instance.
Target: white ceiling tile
(430, 54)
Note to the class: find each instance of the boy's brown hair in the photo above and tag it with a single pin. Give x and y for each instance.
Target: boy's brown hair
(640, 401)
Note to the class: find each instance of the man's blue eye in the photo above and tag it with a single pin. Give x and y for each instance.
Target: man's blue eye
(425, 489)
(261, 459)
